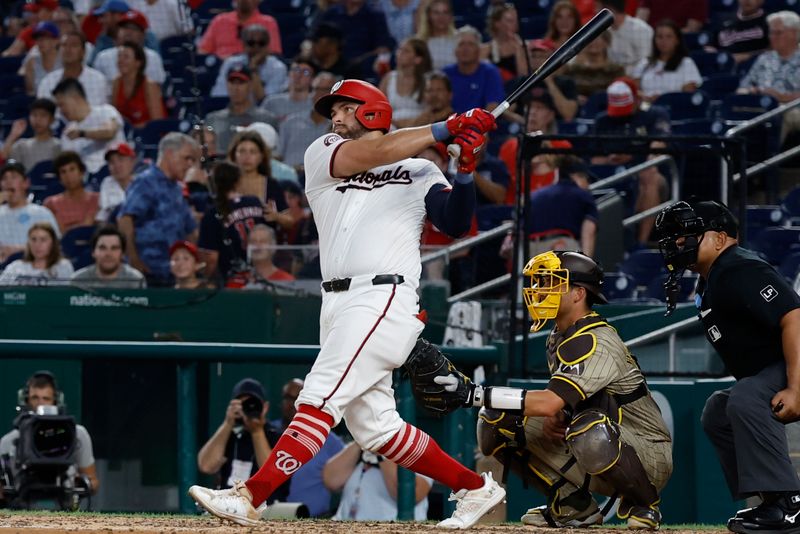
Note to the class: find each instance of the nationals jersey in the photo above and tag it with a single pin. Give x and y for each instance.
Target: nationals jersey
(371, 222)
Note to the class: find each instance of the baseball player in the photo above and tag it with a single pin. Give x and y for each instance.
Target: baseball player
(595, 428)
(370, 199)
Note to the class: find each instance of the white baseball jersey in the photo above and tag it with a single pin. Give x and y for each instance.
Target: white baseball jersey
(369, 223)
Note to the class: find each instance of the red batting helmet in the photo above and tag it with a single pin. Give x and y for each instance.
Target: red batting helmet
(374, 113)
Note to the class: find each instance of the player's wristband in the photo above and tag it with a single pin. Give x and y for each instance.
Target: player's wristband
(500, 398)
(440, 131)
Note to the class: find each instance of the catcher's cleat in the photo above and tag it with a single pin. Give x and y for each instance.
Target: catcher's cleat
(232, 504)
(779, 513)
(471, 505)
(578, 510)
(639, 517)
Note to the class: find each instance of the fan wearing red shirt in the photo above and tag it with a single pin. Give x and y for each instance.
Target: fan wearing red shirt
(223, 37)
(41, 11)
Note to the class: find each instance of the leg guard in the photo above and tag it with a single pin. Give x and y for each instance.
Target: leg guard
(502, 435)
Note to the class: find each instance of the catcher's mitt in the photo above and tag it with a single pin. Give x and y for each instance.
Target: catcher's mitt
(453, 390)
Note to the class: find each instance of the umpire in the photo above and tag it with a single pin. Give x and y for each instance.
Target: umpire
(751, 316)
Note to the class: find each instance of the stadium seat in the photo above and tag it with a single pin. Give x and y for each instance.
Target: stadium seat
(11, 258)
(759, 218)
(774, 244)
(211, 8)
(533, 26)
(716, 86)
(96, 178)
(489, 217)
(743, 107)
(686, 283)
(643, 265)
(17, 107)
(533, 7)
(577, 127)
(153, 131)
(10, 64)
(709, 63)
(684, 106)
(215, 103)
(44, 182)
(272, 7)
(618, 286)
(696, 41)
(76, 246)
(791, 203)
(698, 127)
(722, 5)
(293, 31)
(790, 266)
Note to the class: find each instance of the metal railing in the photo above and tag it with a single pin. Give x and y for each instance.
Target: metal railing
(671, 332)
(464, 244)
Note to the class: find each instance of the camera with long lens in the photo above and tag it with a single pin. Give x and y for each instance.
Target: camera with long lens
(43, 468)
(251, 407)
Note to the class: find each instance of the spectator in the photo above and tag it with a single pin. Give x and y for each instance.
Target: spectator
(225, 227)
(243, 441)
(746, 33)
(437, 29)
(41, 389)
(280, 171)
(249, 152)
(371, 37)
(301, 232)
(185, 264)
(297, 99)
(75, 206)
(240, 110)
(130, 29)
(42, 146)
(404, 85)
(65, 19)
(623, 117)
(326, 52)
(155, 213)
(591, 70)
(299, 130)
(111, 13)
(90, 129)
(560, 88)
(108, 270)
(41, 264)
(437, 98)
(669, 68)
(400, 17)
(271, 75)
(777, 72)
(121, 160)
(589, 8)
(47, 59)
(222, 37)
(93, 83)
(136, 96)
(688, 15)
(368, 484)
(306, 484)
(564, 208)
(630, 37)
(17, 214)
(165, 16)
(491, 180)
(506, 50)
(40, 11)
(563, 23)
(476, 83)
(260, 251)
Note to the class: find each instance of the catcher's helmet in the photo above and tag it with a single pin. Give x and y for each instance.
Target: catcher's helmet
(551, 275)
(374, 113)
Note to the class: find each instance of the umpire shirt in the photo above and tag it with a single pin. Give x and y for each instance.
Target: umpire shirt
(741, 306)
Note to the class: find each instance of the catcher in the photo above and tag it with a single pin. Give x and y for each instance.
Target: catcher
(595, 428)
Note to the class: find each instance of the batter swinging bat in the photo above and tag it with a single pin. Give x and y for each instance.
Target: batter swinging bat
(585, 35)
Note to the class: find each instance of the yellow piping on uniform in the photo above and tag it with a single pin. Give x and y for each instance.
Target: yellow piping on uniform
(493, 421)
(581, 358)
(581, 431)
(571, 383)
(540, 475)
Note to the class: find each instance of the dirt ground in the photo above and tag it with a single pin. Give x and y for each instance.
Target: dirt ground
(56, 523)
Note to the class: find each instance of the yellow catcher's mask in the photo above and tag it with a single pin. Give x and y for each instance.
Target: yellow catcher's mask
(548, 281)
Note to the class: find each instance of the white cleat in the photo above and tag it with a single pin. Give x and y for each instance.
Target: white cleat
(471, 505)
(232, 504)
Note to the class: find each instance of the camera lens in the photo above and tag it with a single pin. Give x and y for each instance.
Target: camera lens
(251, 407)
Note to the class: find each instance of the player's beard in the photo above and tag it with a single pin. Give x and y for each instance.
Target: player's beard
(350, 133)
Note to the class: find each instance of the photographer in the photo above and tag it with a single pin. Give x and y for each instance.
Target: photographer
(243, 441)
(40, 392)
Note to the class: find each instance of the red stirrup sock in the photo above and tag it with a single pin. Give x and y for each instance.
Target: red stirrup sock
(415, 450)
(300, 442)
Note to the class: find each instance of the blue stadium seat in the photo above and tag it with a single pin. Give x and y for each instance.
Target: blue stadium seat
(492, 216)
(17, 106)
(709, 63)
(96, 178)
(643, 265)
(791, 203)
(44, 182)
(76, 246)
(771, 6)
(698, 127)
(744, 67)
(596, 103)
(744, 107)
(696, 41)
(683, 106)
(774, 244)
(722, 5)
(211, 8)
(293, 31)
(533, 7)
(533, 26)
(686, 283)
(618, 286)
(759, 218)
(215, 103)
(272, 7)
(718, 86)
(10, 259)
(577, 127)
(10, 64)
(790, 266)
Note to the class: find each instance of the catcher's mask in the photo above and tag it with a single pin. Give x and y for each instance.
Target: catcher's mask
(551, 274)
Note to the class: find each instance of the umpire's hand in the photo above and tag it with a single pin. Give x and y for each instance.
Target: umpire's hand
(786, 405)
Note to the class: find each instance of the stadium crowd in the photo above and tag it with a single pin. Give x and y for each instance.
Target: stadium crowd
(114, 114)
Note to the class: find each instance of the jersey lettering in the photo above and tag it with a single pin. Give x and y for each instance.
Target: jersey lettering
(368, 180)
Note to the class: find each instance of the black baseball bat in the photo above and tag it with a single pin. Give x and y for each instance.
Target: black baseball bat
(585, 35)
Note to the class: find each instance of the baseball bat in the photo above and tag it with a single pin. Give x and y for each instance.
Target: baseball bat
(585, 35)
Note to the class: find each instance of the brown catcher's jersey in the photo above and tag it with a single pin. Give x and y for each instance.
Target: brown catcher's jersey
(590, 366)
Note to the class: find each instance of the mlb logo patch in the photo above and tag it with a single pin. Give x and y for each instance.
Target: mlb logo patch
(768, 293)
(714, 333)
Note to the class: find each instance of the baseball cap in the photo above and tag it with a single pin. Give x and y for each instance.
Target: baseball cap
(266, 131)
(326, 29)
(36, 5)
(248, 386)
(621, 97)
(574, 165)
(188, 245)
(134, 17)
(12, 165)
(542, 95)
(545, 45)
(717, 217)
(112, 6)
(240, 71)
(123, 149)
(46, 28)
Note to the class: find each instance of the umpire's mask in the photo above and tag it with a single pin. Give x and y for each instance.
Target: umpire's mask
(680, 230)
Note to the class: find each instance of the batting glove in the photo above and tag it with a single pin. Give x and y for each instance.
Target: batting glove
(471, 143)
(476, 118)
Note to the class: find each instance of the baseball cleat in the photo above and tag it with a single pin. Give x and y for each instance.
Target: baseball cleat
(542, 518)
(471, 505)
(639, 517)
(232, 504)
(778, 514)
